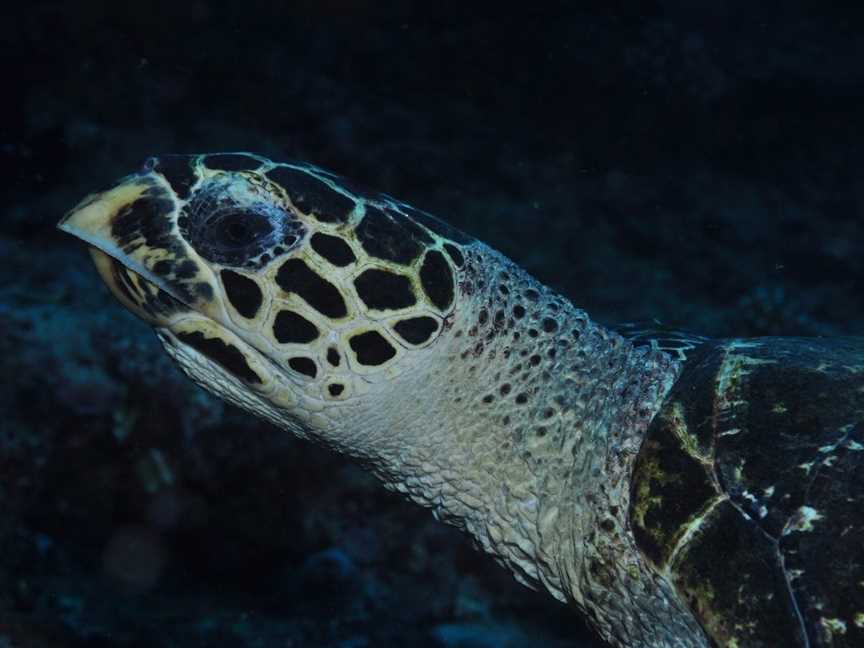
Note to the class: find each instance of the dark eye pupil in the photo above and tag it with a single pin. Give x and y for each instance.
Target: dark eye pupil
(238, 232)
(240, 229)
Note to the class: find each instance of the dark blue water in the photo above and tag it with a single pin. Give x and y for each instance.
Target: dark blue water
(694, 162)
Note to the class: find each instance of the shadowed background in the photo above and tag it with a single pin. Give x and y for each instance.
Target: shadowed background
(694, 162)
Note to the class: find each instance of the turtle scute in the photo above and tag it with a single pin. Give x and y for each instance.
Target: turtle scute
(747, 491)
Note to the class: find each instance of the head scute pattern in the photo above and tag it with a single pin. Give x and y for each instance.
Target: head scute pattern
(332, 282)
(313, 195)
(387, 236)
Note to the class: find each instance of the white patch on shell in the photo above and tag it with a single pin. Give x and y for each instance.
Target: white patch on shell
(730, 432)
(761, 509)
(844, 434)
(833, 626)
(842, 442)
(802, 520)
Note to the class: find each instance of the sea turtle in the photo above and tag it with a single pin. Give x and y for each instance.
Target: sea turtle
(677, 490)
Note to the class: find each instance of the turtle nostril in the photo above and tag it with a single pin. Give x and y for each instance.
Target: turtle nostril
(149, 164)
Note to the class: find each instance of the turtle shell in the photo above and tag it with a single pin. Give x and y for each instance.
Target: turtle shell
(748, 491)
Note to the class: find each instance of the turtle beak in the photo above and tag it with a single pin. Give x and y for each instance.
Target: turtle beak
(133, 241)
(132, 236)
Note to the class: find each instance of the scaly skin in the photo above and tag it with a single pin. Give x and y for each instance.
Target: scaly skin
(517, 420)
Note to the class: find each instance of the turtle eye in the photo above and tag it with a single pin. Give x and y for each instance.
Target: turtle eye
(238, 229)
(230, 221)
(234, 235)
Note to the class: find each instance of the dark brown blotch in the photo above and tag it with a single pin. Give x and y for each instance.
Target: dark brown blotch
(305, 366)
(222, 353)
(455, 254)
(243, 293)
(292, 328)
(185, 269)
(294, 276)
(178, 172)
(416, 330)
(386, 238)
(372, 348)
(144, 220)
(332, 248)
(437, 279)
(312, 195)
(382, 289)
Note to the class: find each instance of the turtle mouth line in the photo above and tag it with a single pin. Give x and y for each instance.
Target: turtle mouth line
(122, 280)
(151, 300)
(179, 323)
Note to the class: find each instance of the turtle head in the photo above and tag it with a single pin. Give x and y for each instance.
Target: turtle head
(280, 287)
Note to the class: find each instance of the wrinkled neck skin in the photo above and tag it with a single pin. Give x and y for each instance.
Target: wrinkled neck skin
(520, 425)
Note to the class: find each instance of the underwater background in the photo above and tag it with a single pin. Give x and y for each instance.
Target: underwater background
(698, 163)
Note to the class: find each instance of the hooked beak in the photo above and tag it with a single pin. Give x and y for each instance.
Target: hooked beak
(132, 238)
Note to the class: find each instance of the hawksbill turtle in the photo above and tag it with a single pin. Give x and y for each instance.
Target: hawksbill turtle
(677, 490)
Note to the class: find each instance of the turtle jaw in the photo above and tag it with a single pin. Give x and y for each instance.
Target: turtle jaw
(143, 298)
(126, 273)
(130, 232)
(177, 325)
